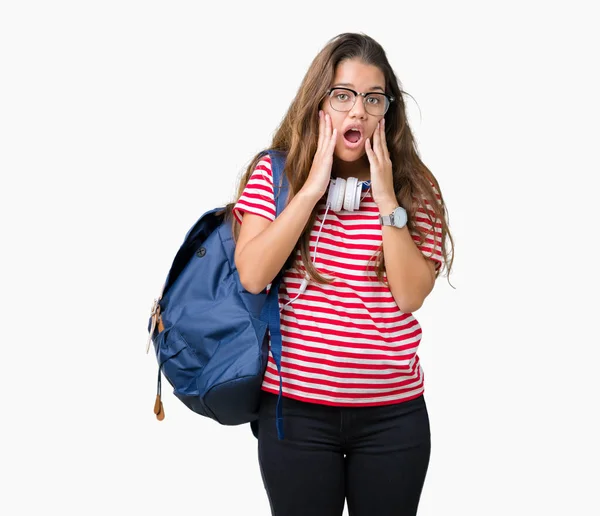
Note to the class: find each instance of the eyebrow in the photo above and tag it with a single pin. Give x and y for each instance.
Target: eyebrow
(350, 85)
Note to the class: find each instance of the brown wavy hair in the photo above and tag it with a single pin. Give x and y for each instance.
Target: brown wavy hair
(298, 133)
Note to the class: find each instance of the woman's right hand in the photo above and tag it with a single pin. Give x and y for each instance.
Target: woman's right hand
(320, 173)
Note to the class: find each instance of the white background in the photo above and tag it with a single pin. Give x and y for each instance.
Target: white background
(112, 145)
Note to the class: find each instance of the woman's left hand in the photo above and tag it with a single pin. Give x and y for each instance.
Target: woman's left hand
(382, 180)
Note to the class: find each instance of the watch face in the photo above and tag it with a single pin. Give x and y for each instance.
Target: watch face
(400, 217)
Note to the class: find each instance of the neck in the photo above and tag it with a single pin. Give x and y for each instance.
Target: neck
(345, 169)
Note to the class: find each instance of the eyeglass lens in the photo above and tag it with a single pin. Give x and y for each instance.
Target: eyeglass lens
(343, 100)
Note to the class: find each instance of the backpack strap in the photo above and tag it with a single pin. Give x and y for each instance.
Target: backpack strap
(280, 183)
(270, 312)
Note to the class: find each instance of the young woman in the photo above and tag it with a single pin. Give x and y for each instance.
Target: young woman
(356, 267)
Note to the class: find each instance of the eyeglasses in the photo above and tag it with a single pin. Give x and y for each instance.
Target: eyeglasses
(343, 99)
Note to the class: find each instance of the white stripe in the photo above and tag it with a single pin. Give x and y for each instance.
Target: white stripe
(344, 390)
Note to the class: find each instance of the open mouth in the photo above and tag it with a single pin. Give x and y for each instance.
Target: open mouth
(353, 137)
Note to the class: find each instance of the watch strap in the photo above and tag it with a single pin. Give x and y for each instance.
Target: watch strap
(387, 220)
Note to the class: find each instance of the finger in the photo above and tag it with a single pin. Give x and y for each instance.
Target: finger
(330, 133)
(369, 150)
(326, 133)
(321, 129)
(328, 125)
(384, 146)
(376, 147)
(380, 140)
(332, 142)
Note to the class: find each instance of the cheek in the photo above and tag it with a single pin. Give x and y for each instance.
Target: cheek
(371, 131)
(337, 121)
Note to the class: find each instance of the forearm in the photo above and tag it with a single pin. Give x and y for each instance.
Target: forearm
(263, 257)
(409, 275)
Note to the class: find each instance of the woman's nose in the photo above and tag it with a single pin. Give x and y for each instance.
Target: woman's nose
(358, 110)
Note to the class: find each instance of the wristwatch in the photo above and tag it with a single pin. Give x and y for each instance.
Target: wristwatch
(398, 218)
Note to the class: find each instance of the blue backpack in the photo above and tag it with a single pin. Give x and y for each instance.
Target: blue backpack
(209, 333)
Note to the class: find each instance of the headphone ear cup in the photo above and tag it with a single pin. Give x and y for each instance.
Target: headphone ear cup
(330, 192)
(358, 193)
(335, 198)
(350, 194)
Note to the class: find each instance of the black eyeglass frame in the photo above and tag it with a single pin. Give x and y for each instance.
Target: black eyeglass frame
(363, 95)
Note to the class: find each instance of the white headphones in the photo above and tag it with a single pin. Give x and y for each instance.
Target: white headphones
(345, 193)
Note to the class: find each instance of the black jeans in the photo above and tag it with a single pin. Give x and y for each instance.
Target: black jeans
(375, 457)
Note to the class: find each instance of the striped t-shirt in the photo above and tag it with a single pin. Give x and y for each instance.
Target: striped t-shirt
(346, 343)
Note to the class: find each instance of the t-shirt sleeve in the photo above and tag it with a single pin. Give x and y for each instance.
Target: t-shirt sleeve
(258, 196)
(431, 247)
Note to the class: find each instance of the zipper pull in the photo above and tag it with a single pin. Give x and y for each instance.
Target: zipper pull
(158, 406)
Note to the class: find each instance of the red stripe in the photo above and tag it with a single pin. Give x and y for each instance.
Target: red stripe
(335, 358)
(430, 241)
(365, 208)
(333, 363)
(422, 218)
(371, 285)
(430, 250)
(332, 223)
(354, 395)
(321, 260)
(340, 254)
(372, 357)
(324, 238)
(348, 238)
(374, 342)
(268, 174)
(252, 188)
(392, 322)
(336, 374)
(351, 277)
(250, 207)
(307, 297)
(342, 385)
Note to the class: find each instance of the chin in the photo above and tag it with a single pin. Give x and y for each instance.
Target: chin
(350, 156)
